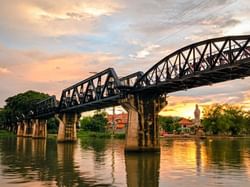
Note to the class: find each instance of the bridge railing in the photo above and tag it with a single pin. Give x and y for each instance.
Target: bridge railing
(198, 57)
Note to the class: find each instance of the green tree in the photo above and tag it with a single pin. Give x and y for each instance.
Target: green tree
(20, 104)
(2, 118)
(52, 125)
(225, 119)
(213, 119)
(97, 123)
(247, 123)
(169, 123)
(23, 103)
(236, 118)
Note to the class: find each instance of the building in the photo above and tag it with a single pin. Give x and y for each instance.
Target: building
(121, 120)
(186, 123)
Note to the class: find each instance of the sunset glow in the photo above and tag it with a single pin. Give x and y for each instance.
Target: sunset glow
(47, 46)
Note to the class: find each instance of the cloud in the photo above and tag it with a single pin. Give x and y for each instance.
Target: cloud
(4, 71)
(184, 105)
(145, 52)
(46, 72)
(48, 45)
(44, 67)
(49, 18)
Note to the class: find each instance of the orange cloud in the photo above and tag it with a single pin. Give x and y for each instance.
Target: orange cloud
(184, 106)
(49, 73)
(63, 67)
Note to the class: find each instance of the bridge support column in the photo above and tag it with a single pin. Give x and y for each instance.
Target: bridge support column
(143, 130)
(39, 128)
(20, 129)
(67, 127)
(27, 129)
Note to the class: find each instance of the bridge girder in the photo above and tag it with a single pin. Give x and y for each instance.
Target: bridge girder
(199, 64)
(46, 108)
(202, 63)
(91, 92)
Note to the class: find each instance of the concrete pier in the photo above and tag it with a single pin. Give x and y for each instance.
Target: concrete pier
(67, 127)
(143, 129)
(39, 128)
(20, 129)
(27, 129)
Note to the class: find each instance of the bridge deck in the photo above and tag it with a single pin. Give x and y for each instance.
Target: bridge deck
(199, 64)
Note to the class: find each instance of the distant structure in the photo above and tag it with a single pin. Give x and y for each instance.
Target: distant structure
(197, 120)
(121, 120)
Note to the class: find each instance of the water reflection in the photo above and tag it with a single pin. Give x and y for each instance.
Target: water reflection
(67, 174)
(100, 162)
(99, 147)
(28, 160)
(226, 154)
(198, 148)
(142, 169)
(213, 162)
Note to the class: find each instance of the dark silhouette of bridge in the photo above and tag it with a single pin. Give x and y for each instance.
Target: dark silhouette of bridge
(143, 95)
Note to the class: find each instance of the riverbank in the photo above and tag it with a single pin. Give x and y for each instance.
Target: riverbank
(188, 136)
(82, 134)
(108, 135)
(5, 133)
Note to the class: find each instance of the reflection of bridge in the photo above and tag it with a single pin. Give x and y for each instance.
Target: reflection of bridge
(143, 94)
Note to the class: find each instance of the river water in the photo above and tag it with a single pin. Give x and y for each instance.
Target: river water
(100, 162)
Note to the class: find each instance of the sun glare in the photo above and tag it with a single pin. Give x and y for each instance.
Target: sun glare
(182, 110)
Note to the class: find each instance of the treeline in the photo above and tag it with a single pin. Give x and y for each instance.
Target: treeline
(224, 119)
(170, 124)
(21, 105)
(97, 123)
(218, 119)
(18, 106)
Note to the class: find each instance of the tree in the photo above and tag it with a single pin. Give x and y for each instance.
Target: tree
(97, 123)
(20, 104)
(23, 103)
(169, 123)
(2, 118)
(247, 123)
(213, 119)
(52, 125)
(236, 119)
(225, 119)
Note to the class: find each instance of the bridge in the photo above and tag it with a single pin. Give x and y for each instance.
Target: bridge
(143, 95)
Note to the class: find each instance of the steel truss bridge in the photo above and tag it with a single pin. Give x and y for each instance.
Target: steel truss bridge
(203, 63)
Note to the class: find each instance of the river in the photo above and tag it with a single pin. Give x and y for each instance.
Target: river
(100, 162)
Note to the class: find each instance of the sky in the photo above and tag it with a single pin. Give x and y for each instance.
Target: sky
(49, 45)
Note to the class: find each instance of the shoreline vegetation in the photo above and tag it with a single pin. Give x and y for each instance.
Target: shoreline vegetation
(83, 134)
(5, 133)
(108, 135)
(218, 120)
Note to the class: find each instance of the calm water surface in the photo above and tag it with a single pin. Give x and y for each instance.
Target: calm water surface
(98, 162)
